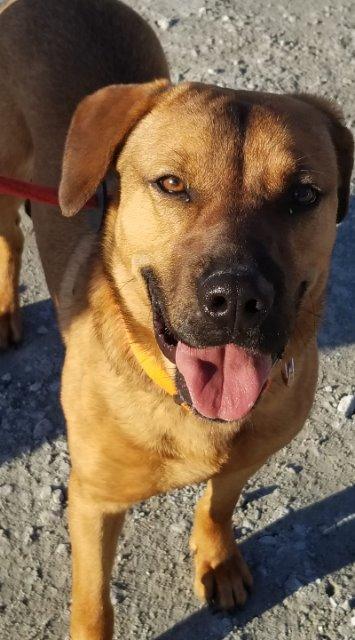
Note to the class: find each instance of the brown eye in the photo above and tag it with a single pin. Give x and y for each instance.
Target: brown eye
(172, 185)
(305, 195)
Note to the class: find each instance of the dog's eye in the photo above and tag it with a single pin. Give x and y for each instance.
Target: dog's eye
(172, 185)
(305, 195)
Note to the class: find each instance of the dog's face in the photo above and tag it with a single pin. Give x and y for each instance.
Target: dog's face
(223, 230)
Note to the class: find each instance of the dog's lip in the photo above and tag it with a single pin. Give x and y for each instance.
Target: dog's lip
(166, 340)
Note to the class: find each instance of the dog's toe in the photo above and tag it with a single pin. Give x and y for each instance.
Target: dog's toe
(224, 585)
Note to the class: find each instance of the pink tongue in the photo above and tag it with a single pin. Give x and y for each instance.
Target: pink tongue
(223, 382)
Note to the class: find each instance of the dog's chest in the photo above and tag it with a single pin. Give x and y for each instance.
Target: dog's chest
(178, 473)
(190, 461)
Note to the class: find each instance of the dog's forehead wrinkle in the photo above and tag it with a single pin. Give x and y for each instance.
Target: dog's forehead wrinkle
(225, 140)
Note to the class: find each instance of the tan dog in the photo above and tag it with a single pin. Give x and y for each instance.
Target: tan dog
(206, 281)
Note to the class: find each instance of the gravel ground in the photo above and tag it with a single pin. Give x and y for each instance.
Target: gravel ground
(296, 521)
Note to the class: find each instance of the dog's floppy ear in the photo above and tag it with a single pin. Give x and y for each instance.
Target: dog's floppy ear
(343, 142)
(100, 123)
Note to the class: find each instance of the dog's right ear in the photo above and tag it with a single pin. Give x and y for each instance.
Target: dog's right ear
(100, 123)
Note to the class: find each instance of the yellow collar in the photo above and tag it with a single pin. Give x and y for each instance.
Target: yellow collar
(150, 362)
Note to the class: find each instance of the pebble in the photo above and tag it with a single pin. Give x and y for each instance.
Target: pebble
(4, 542)
(28, 534)
(5, 490)
(352, 621)
(281, 512)
(294, 468)
(246, 524)
(347, 405)
(35, 387)
(44, 493)
(42, 429)
(163, 23)
(42, 330)
(7, 377)
(57, 496)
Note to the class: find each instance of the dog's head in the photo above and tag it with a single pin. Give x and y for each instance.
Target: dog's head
(221, 234)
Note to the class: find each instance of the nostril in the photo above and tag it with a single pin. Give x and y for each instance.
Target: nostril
(253, 306)
(218, 304)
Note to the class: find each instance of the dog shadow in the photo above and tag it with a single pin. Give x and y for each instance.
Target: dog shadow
(30, 412)
(289, 554)
(338, 326)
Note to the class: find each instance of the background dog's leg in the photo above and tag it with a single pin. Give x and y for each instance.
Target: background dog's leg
(15, 162)
(94, 529)
(222, 578)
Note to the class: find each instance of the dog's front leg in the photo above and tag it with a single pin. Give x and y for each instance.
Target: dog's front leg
(222, 577)
(94, 528)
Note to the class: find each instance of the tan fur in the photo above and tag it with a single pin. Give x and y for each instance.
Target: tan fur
(128, 440)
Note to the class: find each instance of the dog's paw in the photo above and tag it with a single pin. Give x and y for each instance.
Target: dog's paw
(10, 327)
(222, 582)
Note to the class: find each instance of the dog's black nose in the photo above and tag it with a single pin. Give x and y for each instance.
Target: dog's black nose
(236, 301)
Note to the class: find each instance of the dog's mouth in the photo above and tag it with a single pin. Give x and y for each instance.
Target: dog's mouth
(220, 382)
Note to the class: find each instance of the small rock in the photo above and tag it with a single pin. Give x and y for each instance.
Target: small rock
(352, 621)
(281, 512)
(294, 468)
(246, 524)
(333, 603)
(57, 500)
(35, 387)
(6, 377)
(5, 490)
(4, 542)
(28, 535)
(62, 549)
(42, 330)
(163, 23)
(44, 493)
(347, 405)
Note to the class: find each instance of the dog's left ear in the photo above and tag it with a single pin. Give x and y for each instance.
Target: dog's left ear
(343, 142)
(101, 122)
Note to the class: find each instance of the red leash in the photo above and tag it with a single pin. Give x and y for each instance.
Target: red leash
(37, 193)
